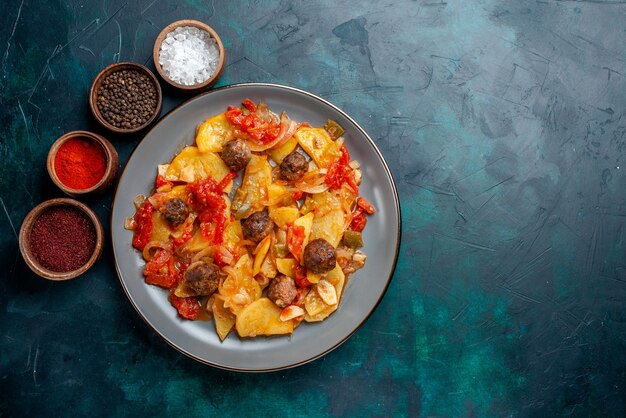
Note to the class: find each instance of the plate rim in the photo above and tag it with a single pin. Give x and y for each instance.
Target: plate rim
(396, 205)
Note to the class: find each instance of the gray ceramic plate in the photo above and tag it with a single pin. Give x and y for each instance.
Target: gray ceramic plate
(309, 341)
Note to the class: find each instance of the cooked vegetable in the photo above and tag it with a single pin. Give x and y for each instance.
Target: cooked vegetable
(213, 133)
(353, 239)
(334, 129)
(271, 258)
(262, 318)
(251, 196)
(318, 145)
(191, 165)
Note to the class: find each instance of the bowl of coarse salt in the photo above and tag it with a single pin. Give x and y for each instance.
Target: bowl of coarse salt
(189, 55)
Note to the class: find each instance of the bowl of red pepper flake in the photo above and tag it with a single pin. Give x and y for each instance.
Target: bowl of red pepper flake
(81, 162)
(60, 239)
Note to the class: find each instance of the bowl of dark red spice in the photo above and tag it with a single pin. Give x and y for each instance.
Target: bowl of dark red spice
(125, 97)
(61, 239)
(82, 163)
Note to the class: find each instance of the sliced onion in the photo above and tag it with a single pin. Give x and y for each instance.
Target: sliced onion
(314, 189)
(164, 245)
(312, 182)
(265, 114)
(209, 304)
(344, 253)
(243, 210)
(288, 127)
(138, 201)
(243, 243)
(158, 199)
(230, 270)
(129, 223)
(225, 255)
(262, 280)
(207, 252)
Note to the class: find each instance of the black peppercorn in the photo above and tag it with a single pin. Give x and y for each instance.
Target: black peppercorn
(127, 99)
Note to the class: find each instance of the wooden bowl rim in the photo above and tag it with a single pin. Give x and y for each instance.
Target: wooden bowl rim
(198, 24)
(109, 151)
(24, 239)
(97, 82)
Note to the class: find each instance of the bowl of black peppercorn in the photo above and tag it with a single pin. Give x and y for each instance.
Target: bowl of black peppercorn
(125, 97)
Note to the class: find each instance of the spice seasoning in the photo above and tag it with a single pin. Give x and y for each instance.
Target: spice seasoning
(80, 163)
(62, 239)
(127, 99)
(189, 55)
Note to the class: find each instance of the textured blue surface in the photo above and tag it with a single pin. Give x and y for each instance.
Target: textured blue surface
(504, 125)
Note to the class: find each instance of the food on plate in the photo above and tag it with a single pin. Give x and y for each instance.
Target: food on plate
(257, 226)
(282, 291)
(293, 166)
(261, 254)
(319, 256)
(236, 154)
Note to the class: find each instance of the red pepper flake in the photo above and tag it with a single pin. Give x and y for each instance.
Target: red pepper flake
(143, 225)
(80, 163)
(63, 239)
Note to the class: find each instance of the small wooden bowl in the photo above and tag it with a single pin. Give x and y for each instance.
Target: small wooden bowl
(111, 169)
(27, 226)
(196, 88)
(97, 82)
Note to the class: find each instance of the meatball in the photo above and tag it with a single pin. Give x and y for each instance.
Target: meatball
(294, 166)
(236, 154)
(282, 291)
(320, 256)
(175, 211)
(257, 226)
(202, 278)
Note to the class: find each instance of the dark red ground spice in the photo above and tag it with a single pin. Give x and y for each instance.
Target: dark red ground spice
(63, 239)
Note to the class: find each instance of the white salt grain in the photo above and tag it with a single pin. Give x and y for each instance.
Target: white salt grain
(189, 55)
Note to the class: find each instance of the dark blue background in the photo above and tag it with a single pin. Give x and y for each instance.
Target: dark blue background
(504, 124)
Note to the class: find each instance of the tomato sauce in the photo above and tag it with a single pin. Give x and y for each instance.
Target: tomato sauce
(340, 172)
(143, 225)
(188, 308)
(251, 124)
